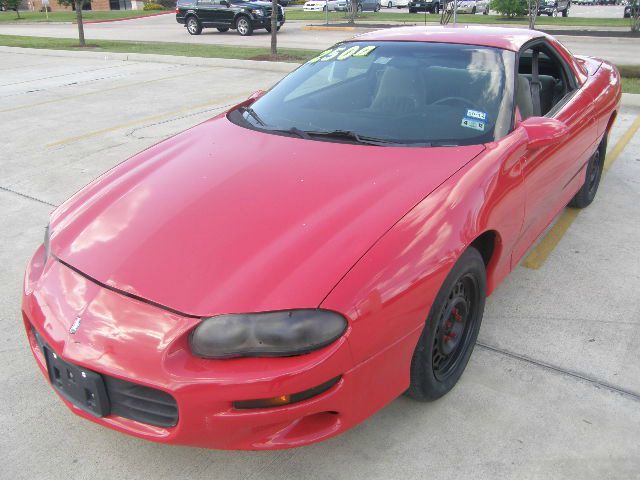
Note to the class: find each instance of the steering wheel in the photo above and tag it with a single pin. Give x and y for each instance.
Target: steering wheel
(464, 101)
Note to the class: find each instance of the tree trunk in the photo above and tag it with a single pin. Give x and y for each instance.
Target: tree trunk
(274, 29)
(635, 16)
(79, 5)
(534, 6)
(354, 11)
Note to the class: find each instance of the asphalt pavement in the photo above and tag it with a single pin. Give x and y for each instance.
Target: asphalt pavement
(553, 386)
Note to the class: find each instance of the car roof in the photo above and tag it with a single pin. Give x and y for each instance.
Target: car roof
(498, 37)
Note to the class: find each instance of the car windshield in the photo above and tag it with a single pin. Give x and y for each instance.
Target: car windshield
(412, 93)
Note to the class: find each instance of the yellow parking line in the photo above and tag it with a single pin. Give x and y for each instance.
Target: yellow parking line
(140, 120)
(96, 92)
(539, 254)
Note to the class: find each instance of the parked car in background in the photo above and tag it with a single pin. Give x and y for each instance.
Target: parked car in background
(554, 7)
(471, 6)
(320, 5)
(627, 11)
(241, 15)
(431, 6)
(363, 5)
(394, 3)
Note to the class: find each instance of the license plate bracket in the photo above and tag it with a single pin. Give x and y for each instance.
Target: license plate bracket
(83, 388)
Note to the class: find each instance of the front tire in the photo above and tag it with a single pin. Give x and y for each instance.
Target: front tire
(194, 27)
(243, 25)
(450, 331)
(589, 188)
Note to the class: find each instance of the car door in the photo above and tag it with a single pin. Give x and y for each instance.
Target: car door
(205, 12)
(224, 12)
(553, 174)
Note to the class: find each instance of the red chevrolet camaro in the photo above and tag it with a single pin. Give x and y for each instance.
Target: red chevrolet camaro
(277, 274)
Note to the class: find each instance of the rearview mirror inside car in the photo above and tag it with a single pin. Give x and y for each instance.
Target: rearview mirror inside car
(543, 131)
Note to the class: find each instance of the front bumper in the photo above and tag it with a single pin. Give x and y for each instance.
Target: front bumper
(422, 7)
(264, 22)
(131, 340)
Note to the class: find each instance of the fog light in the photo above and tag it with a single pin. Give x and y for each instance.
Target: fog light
(282, 400)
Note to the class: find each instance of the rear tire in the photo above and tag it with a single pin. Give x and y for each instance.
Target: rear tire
(565, 12)
(194, 27)
(243, 25)
(450, 331)
(589, 188)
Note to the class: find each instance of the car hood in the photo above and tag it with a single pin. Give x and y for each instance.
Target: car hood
(224, 219)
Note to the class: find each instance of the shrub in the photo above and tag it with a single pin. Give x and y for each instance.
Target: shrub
(153, 6)
(509, 8)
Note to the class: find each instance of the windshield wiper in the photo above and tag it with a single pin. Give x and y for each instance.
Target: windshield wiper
(350, 135)
(253, 115)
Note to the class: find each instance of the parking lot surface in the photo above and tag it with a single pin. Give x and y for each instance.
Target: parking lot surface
(552, 389)
(163, 28)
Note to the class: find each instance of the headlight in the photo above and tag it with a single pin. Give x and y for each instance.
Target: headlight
(269, 334)
(258, 13)
(47, 241)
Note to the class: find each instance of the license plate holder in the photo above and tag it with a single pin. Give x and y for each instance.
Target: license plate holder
(83, 388)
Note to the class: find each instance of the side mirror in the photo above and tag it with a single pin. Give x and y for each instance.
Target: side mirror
(256, 95)
(543, 131)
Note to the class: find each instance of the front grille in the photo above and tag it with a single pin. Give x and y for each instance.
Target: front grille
(113, 395)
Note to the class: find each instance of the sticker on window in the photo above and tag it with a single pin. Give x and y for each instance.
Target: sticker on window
(472, 123)
(478, 115)
(342, 53)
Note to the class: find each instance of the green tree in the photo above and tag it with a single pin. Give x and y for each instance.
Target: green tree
(78, 5)
(635, 16)
(12, 5)
(509, 8)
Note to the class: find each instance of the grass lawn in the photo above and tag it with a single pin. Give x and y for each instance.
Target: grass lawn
(630, 73)
(371, 17)
(162, 48)
(70, 16)
(631, 85)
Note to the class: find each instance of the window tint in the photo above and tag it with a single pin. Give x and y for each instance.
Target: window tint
(405, 92)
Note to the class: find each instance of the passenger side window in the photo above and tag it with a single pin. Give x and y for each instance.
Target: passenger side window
(542, 83)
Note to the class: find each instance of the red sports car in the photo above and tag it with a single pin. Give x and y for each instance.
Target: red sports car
(277, 274)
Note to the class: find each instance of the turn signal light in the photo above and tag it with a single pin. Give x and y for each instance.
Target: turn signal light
(282, 400)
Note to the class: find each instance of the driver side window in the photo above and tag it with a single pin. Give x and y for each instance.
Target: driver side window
(542, 82)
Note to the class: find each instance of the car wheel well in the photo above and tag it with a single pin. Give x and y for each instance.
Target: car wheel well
(486, 245)
(610, 122)
(238, 17)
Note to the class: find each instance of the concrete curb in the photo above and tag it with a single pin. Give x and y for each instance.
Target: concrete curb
(329, 28)
(128, 18)
(631, 100)
(281, 67)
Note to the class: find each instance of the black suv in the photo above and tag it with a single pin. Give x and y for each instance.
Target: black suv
(241, 15)
(432, 6)
(554, 7)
